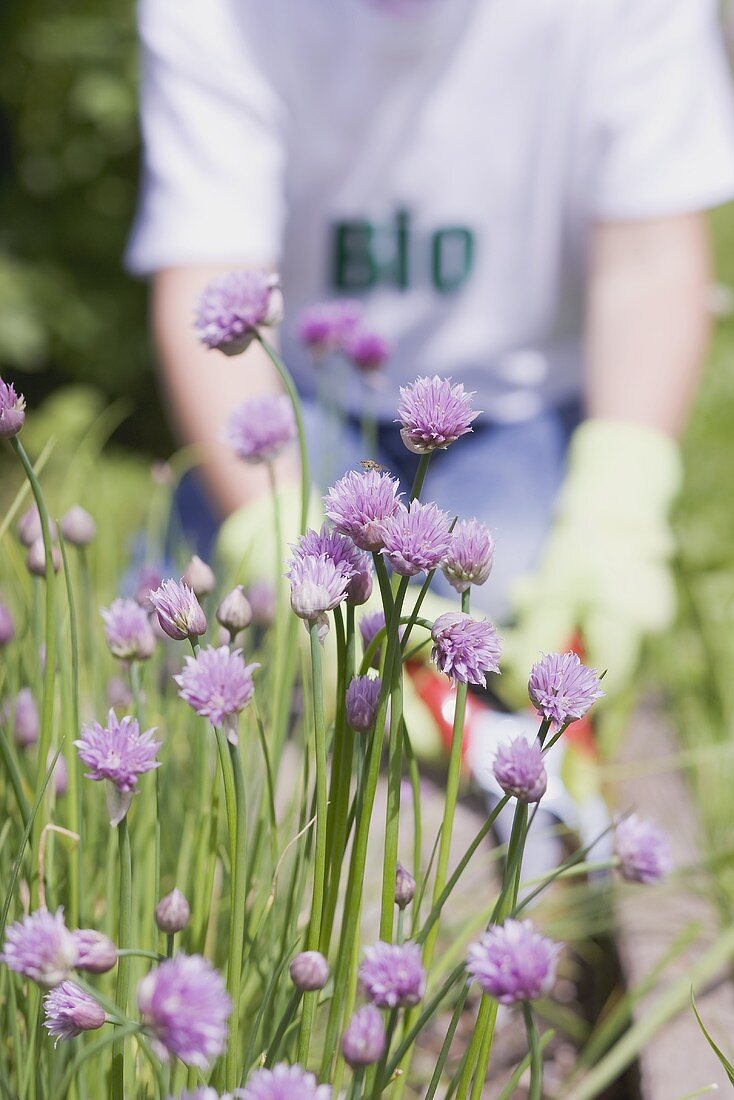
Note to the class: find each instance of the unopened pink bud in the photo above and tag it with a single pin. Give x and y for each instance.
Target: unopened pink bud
(172, 912)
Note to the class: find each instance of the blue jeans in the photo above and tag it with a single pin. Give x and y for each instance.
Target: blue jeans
(506, 475)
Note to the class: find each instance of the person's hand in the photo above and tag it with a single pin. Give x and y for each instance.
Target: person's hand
(604, 575)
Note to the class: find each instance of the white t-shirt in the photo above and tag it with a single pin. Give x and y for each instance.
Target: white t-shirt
(444, 168)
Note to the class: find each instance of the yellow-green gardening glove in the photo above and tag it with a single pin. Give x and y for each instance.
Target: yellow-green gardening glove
(605, 575)
(247, 539)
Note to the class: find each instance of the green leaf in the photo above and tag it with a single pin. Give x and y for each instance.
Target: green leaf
(719, 1053)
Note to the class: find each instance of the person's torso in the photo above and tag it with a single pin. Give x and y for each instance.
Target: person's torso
(437, 170)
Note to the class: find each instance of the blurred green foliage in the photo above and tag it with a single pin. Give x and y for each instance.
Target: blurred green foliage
(68, 177)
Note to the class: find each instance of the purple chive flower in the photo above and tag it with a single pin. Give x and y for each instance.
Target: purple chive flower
(232, 309)
(370, 625)
(325, 327)
(29, 527)
(148, 578)
(642, 849)
(470, 555)
(433, 414)
(119, 753)
(416, 539)
(359, 503)
(309, 971)
(361, 700)
(172, 913)
(367, 351)
(512, 962)
(363, 1042)
(284, 1083)
(392, 974)
(562, 689)
(128, 631)
(465, 649)
(26, 724)
(70, 1011)
(96, 953)
(185, 1008)
(404, 887)
(7, 627)
(259, 429)
(179, 612)
(217, 684)
(12, 410)
(41, 947)
(519, 769)
(36, 558)
(78, 527)
(341, 550)
(318, 585)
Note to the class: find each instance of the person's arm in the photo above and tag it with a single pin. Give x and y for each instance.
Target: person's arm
(203, 386)
(647, 319)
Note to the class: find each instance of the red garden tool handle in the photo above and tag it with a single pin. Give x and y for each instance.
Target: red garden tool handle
(439, 697)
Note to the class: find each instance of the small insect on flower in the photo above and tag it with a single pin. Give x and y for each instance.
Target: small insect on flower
(470, 555)
(465, 649)
(416, 539)
(179, 612)
(128, 631)
(392, 974)
(520, 771)
(217, 684)
(231, 310)
(642, 849)
(185, 1008)
(434, 413)
(512, 962)
(562, 689)
(284, 1082)
(41, 947)
(363, 1042)
(358, 505)
(260, 429)
(12, 410)
(70, 1011)
(118, 753)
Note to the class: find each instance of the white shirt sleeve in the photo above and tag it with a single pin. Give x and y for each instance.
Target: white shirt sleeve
(213, 171)
(661, 111)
